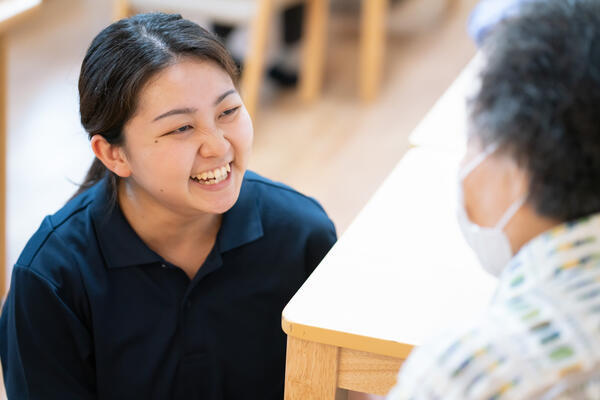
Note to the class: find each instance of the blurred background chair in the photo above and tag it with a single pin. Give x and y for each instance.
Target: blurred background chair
(259, 16)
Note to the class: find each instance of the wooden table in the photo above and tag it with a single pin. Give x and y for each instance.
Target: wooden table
(400, 273)
(11, 12)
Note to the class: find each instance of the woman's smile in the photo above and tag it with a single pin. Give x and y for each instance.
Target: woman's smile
(211, 152)
(213, 179)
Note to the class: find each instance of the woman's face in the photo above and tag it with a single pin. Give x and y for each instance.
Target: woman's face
(188, 143)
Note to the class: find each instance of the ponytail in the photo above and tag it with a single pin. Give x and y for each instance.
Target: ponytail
(95, 174)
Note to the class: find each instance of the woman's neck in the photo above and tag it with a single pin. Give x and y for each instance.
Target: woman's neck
(184, 240)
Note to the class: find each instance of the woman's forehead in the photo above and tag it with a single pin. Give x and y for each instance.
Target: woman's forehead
(189, 79)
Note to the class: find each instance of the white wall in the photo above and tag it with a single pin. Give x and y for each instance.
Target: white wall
(47, 147)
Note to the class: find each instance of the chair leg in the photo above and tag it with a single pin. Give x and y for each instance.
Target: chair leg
(121, 9)
(254, 63)
(372, 47)
(315, 40)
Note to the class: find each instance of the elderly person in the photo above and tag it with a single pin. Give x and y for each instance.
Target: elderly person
(530, 185)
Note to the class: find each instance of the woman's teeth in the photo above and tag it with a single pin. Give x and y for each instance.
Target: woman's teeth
(214, 176)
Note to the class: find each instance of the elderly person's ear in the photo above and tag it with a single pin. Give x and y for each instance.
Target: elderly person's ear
(516, 178)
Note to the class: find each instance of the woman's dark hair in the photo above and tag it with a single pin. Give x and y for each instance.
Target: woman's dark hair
(121, 59)
(540, 101)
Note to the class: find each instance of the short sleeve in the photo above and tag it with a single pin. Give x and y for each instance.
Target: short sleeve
(46, 350)
(321, 239)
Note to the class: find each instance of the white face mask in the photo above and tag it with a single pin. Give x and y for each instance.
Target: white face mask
(491, 245)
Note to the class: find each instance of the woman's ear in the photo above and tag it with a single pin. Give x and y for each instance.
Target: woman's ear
(518, 180)
(112, 156)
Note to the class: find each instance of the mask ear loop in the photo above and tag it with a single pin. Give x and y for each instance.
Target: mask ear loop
(471, 165)
(512, 210)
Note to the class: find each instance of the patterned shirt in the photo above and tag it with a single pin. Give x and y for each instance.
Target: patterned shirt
(539, 338)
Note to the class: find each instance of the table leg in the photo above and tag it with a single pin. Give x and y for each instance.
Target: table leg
(372, 47)
(311, 370)
(3, 133)
(315, 42)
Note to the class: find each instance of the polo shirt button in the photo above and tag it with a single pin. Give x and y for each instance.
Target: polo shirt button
(164, 265)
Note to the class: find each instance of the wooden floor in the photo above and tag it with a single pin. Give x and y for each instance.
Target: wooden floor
(337, 149)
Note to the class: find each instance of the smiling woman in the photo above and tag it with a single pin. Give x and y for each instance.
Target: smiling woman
(166, 274)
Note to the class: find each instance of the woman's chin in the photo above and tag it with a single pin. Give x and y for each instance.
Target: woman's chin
(221, 206)
(216, 201)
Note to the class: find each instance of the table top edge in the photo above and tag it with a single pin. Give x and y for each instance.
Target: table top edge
(346, 340)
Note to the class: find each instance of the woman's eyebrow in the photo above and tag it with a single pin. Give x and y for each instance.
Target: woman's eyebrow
(222, 97)
(193, 110)
(174, 112)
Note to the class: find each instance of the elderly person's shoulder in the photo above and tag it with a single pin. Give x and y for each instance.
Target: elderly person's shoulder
(477, 365)
(539, 336)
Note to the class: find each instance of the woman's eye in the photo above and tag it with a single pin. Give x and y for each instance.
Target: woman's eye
(182, 129)
(229, 112)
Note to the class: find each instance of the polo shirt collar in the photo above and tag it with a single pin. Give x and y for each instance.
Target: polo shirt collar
(242, 224)
(122, 247)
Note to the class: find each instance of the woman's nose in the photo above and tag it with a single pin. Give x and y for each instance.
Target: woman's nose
(214, 145)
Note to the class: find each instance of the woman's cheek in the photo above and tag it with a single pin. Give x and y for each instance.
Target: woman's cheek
(246, 138)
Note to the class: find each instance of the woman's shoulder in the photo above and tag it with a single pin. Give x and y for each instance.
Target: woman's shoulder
(51, 251)
(283, 203)
(278, 195)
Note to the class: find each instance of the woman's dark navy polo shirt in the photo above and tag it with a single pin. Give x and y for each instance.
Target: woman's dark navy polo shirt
(93, 313)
